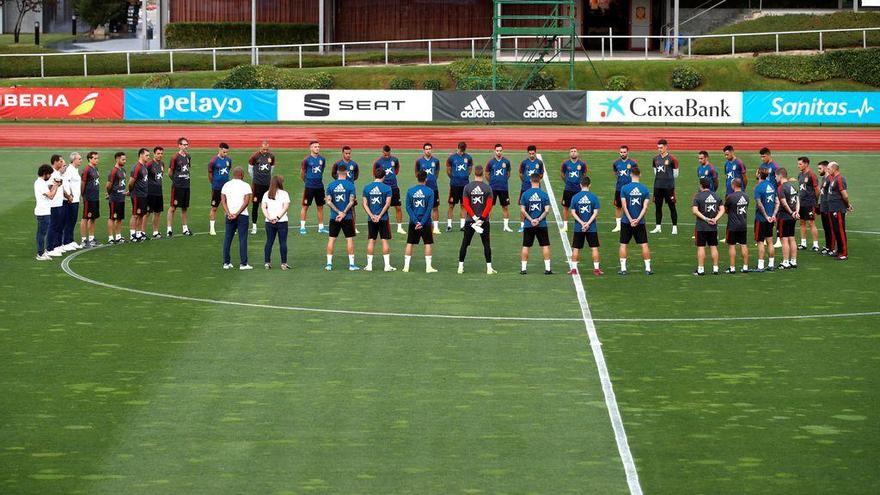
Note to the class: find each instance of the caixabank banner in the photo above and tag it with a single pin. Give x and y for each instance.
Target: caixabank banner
(61, 103)
(510, 106)
(681, 107)
(255, 105)
(811, 107)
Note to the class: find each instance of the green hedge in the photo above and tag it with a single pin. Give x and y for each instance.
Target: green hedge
(857, 65)
(618, 83)
(476, 74)
(212, 34)
(686, 77)
(271, 77)
(402, 83)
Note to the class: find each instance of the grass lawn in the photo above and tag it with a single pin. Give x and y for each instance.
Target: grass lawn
(26, 42)
(107, 390)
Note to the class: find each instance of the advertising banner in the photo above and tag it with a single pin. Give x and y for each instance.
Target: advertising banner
(699, 107)
(355, 105)
(61, 103)
(811, 107)
(510, 106)
(201, 104)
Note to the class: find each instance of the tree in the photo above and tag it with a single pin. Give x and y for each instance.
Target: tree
(24, 6)
(99, 12)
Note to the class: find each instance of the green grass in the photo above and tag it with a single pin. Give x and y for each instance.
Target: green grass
(109, 391)
(26, 42)
(792, 22)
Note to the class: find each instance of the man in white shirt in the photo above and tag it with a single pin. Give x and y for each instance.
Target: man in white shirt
(56, 212)
(72, 188)
(44, 191)
(236, 196)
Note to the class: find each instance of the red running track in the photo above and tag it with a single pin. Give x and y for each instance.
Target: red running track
(479, 137)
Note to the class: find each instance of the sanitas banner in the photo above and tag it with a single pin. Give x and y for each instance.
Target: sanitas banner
(510, 106)
(201, 104)
(355, 105)
(699, 107)
(61, 103)
(811, 107)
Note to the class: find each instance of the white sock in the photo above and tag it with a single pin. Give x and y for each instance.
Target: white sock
(595, 265)
(461, 265)
(91, 238)
(118, 236)
(111, 237)
(427, 261)
(350, 259)
(547, 265)
(449, 222)
(488, 266)
(131, 233)
(406, 262)
(572, 264)
(700, 269)
(617, 221)
(400, 226)
(771, 262)
(524, 265)
(760, 264)
(302, 224)
(329, 259)
(254, 226)
(745, 267)
(647, 265)
(793, 262)
(185, 227)
(212, 225)
(370, 260)
(506, 223)
(714, 268)
(816, 244)
(804, 242)
(623, 264)
(436, 224)
(82, 240)
(462, 223)
(387, 258)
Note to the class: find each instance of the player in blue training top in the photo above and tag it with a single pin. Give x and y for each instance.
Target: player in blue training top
(376, 202)
(571, 172)
(585, 206)
(534, 206)
(621, 168)
(419, 199)
(771, 165)
(528, 167)
(343, 199)
(734, 168)
(635, 197)
(431, 165)
(498, 170)
(312, 175)
(218, 174)
(706, 170)
(391, 165)
(766, 208)
(458, 169)
(354, 171)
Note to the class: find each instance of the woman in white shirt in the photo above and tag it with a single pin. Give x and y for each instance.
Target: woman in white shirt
(44, 192)
(275, 204)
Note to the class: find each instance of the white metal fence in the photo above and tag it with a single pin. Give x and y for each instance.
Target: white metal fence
(513, 46)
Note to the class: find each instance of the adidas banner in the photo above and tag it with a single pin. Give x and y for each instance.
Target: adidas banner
(510, 106)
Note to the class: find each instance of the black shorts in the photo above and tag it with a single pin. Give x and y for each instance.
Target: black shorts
(501, 198)
(706, 238)
(91, 210)
(530, 233)
(117, 210)
(395, 197)
(315, 194)
(763, 230)
(785, 228)
(155, 203)
(566, 197)
(138, 206)
(807, 212)
(259, 190)
(664, 194)
(424, 234)
(735, 237)
(436, 198)
(180, 198)
(628, 233)
(346, 226)
(216, 198)
(381, 229)
(455, 194)
(592, 239)
(617, 202)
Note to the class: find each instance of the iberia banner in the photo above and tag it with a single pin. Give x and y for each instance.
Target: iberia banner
(61, 103)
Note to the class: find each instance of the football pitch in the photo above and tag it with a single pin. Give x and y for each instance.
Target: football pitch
(148, 369)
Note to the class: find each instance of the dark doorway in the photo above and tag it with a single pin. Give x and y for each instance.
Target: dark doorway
(599, 16)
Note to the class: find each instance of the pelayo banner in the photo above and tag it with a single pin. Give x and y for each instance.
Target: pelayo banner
(811, 107)
(61, 103)
(698, 107)
(510, 106)
(201, 104)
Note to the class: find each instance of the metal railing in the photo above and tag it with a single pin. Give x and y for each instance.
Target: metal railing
(465, 47)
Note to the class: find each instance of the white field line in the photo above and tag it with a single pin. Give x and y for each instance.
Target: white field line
(629, 465)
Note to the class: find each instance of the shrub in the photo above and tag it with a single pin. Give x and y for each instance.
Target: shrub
(471, 69)
(157, 81)
(685, 77)
(858, 65)
(618, 83)
(402, 83)
(432, 84)
(541, 81)
(271, 77)
(212, 34)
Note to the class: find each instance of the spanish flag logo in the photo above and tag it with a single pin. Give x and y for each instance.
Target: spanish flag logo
(86, 106)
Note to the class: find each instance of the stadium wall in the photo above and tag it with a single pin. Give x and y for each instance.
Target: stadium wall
(292, 11)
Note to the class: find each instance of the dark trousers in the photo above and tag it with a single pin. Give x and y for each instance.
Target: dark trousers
(658, 210)
(838, 228)
(72, 212)
(56, 227)
(42, 232)
(241, 225)
(826, 229)
(466, 241)
(275, 229)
